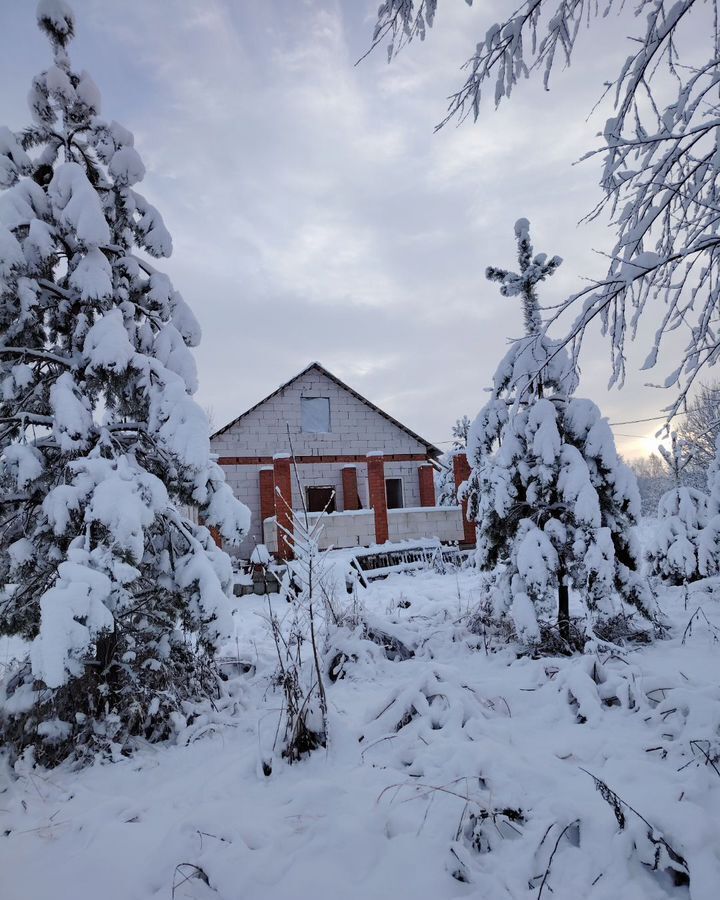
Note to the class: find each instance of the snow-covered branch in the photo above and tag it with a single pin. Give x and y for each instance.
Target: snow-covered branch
(660, 160)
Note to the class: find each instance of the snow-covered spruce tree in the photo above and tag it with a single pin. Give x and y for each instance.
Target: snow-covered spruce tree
(673, 546)
(446, 487)
(101, 444)
(553, 503)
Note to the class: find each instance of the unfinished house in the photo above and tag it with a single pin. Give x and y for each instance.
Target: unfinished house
(316, 443)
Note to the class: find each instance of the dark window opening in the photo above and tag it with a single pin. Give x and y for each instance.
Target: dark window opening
(394, 493)
(321, 499)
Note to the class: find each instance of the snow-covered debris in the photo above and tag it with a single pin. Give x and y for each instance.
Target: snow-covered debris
(260, 555)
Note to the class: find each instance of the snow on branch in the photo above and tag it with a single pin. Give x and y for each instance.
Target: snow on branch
(660, 158)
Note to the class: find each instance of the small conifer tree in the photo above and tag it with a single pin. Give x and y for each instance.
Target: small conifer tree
(553, 503)
(673, 548)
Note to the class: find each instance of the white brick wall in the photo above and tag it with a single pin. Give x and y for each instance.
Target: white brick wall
(245, 483)
(408, 471)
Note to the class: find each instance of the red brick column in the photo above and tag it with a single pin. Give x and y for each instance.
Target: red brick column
(215, 535)
(267, 496)
(351, 497)
(461, 471)
(283, 504)
(378, 497)
(426, 476)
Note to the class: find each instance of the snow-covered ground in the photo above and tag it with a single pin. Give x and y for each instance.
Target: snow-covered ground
(462, 771)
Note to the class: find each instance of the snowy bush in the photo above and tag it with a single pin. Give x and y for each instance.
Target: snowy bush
(673, 545)
(101, 443)
(300, 636)
(553, 503)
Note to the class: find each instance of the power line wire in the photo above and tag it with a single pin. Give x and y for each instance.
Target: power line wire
(629, 422)
(637, 421)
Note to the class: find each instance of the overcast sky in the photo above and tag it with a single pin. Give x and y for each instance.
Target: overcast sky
(315, 214)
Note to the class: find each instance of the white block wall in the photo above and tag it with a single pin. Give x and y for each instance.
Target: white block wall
(441, 522)
(348, 529)
(357, 528)
(408, 471)
(355, 427)
(245, 484)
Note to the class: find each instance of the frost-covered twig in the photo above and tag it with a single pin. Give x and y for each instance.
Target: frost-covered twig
(304, 718)
(697, 616)
(552, 856)
(657, 854)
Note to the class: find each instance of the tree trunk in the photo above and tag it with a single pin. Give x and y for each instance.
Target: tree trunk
(564, 608)
(105, 651)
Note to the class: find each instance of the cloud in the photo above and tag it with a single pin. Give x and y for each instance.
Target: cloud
(314, 213)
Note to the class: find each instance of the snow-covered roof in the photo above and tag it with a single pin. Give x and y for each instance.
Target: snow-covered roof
(432, 450)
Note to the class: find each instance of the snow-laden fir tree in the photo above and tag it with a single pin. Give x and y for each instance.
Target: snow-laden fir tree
(700, 429)
(673, 547)
(101, 443)
(445, 484)
(553, 503)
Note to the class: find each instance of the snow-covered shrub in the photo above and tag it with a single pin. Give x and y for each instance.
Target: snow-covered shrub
(553, 503)
(673, 545)
(101, 442)
(300, 637)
